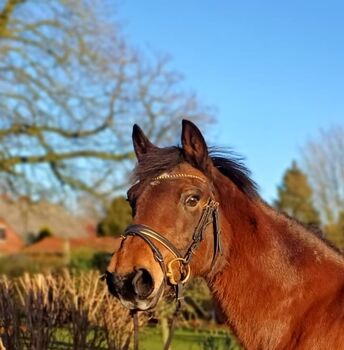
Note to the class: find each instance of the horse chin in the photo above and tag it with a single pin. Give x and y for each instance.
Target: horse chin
(141, 304)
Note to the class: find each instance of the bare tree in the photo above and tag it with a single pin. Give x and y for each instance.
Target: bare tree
(70, 90)
(323, 159)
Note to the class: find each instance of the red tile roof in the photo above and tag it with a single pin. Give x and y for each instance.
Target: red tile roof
(56, 245)
(12, 243)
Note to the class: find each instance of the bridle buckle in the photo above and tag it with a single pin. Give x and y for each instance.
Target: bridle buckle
(185, 274)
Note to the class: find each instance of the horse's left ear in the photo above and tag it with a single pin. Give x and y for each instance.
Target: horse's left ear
(194, 146)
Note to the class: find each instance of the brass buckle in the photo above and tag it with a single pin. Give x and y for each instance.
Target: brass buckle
(186, 272)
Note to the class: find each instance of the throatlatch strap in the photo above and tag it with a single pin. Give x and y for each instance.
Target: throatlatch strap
(136, 329)
(180, 299)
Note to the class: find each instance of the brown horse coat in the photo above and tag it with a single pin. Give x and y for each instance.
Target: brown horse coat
(280, 285)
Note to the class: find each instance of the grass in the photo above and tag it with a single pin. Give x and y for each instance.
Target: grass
(184, 339)
(188, 339)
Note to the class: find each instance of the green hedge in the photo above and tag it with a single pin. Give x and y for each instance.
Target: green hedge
(80, 260)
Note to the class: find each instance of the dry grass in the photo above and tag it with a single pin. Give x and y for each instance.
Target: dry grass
(63, 311)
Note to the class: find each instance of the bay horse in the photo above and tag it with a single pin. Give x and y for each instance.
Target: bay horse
(279, 285)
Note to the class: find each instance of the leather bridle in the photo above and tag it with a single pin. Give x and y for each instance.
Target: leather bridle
(210, 210)
(209, 215)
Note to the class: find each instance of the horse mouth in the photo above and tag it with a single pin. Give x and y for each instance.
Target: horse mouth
(135, 303)
(138, 305)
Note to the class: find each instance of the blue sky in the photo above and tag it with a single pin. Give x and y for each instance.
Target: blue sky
(273, 69)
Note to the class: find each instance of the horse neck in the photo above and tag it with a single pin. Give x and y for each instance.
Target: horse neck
(270, 270)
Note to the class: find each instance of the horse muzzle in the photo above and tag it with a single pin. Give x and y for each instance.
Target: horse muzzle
(135, 290)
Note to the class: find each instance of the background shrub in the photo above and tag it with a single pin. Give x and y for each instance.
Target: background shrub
(74, 311)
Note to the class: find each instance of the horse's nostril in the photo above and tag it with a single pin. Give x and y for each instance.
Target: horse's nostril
(138, 283)
(143, 283)
(113, 282)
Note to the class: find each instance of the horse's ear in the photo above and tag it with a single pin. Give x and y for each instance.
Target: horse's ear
(194, 146)
(140, 142)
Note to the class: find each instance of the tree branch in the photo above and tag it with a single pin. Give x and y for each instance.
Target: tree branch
(6, 14)
(56, 157)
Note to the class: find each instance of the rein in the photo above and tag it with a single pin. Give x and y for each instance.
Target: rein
(209, 215)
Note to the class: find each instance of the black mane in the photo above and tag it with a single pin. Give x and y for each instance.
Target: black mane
(160, 160)
(232, 166)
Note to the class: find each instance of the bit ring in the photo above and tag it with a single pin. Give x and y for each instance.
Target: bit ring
(186, 273)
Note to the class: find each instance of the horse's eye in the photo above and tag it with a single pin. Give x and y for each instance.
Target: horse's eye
(192, 201)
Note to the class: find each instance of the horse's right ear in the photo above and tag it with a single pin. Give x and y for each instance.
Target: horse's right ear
(140, 142)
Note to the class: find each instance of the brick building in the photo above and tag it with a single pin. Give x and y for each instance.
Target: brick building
(10, 241)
